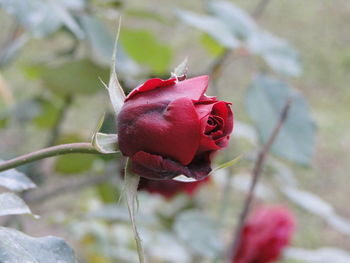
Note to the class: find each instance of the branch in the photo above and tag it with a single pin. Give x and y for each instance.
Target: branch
(82, 147)
(255, 178)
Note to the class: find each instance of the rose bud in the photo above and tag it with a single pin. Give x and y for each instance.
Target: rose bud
(169, 128)
(264, 236)
(170, 188)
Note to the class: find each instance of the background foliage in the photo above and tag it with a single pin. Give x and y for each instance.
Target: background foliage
(258, 53)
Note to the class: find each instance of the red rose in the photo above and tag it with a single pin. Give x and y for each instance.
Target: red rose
(169, 128)
(170, 188)
(264, 236)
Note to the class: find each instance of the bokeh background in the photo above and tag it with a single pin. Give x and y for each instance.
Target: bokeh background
(257, 53)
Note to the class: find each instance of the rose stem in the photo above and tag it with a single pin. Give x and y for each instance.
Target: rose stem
(82, 147)
(255, 177)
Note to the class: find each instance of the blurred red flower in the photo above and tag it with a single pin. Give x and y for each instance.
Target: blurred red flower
(267, 231)
(170, 188)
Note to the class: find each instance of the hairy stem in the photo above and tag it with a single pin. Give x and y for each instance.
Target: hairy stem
(82, 147)
(255, 178)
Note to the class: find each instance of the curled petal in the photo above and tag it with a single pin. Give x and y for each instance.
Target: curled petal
(158, 168)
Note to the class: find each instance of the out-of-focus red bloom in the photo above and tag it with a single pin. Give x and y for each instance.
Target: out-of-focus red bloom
(264, 236)
(170, 188)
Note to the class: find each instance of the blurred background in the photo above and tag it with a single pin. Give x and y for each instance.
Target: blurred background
(258, 53)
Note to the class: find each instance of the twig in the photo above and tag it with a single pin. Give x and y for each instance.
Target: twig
(82, 147)
(255, 178)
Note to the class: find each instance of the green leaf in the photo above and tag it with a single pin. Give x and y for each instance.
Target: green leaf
(131, 181)
(11, 204)
(15, 180)
(17, 247)
(213, 47)
(200, 233)
(74, 77)
(212, 26)
(9, 53)
(240, 23)
(144, 48)
(265, 99)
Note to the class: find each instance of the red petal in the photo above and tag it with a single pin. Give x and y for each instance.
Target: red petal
(193, 88)
(172, 131)
(150, 85)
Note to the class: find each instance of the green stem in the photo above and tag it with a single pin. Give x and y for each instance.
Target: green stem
(82, 147)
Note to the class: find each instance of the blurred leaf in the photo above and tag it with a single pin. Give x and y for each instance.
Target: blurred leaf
(107, 192)
(98, 36)
(131, 182)
(308, 201)
(17, 247)
(49, 112)
(73, 163)
(79, 76)
(200, 233)
(25, 111)
(144, 48)
(66, 18)
(265, 99)
(321, 255)
(11, 51)
(158, 243)
(42, 18)
(102, 43)
(212, 26)
(240, 23)
(11, 204)
(111, 212)
(34, 15)
(315, 205)
(277, 53)
(213, 47)
(15, 180)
